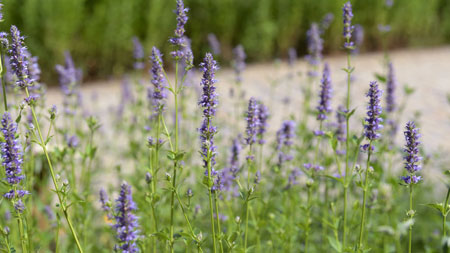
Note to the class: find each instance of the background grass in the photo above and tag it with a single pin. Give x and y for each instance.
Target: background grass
(98, 32)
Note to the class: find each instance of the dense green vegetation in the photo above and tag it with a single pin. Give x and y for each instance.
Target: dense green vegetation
(98, 32)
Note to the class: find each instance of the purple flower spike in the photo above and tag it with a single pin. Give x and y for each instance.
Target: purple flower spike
(412, 158)
(158, 80)
(285, 137)
(126, 222)
(391, 84)
(252, 121)
(18, 59)
(292, 56)
(341, 124)
(208, 102)
(239, 62)
(69, 75)
(178, 39)
(315, 45)
(347, 15)
(373, 119)
(325, 95)
(358, 34)
(214, 43)
(11, 151)
(263, 115)
(138, 53)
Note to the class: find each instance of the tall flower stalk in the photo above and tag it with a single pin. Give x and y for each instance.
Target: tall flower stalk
(20, 67)
(126, 222)
(178, 54)
(348, 45)
(412, 166)
(251, 138)
(371, 128)
(208, 102)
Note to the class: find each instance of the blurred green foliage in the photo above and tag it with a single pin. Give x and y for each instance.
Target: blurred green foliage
(98, 32)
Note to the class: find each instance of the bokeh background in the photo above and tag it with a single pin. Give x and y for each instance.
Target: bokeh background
(98, 32)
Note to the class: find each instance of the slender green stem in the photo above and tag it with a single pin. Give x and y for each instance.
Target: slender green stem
(250, 163)
(175, 164)
(365, 190)
(22, 236)
(347, 154)
(308, 216)
(218, 222)
(199, 248)
(444, 215)
(211, 208)
(411, 213)
(52, 173)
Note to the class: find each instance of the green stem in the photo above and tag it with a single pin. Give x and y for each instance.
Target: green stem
(22, 236)
(218, 222)
(444, 215)
(175, 164)
(365, 189)
(411, 211)
(199, 248)
(249, 162)
(211, 208)
(52, 173)
(347, 154)
(308, 215)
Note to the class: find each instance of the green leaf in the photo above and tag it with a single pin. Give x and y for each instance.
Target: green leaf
(380, 77)
(335, 244)
(437, 206)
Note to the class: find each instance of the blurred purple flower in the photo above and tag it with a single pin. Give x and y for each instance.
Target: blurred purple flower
(391, 84)
(138, 53)
(239, 62)
(347, 15)
(263, 115)
(325, 94)
(252, 121)
(315, 45)
(126, 224)
(214, 43)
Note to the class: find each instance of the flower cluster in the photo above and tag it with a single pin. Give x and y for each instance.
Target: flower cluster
(214, 43)
(324, 106)
(412, 158)
(12, 161)
(263, 115)
(252, 121)
(347, 15)
(315, 45)
(18, 59)
(208, 102)
(158, 80)
(126, 224)
(178, 40)
(373, 119)
(285, 136)
(391, 84)
(138, 54)
(239, 62)
(69, 75)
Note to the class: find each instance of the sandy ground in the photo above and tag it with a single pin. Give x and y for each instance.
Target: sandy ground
(426, 70)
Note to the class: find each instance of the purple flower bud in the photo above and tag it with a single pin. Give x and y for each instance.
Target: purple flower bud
(178, 39)
(11, 151)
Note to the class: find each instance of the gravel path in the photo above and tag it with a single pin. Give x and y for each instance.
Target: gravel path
(426, 70)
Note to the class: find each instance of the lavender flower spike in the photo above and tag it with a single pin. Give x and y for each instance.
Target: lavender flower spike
(325, 94)
(178, 39)
(239, 62)
(391, 84)
(138, 54)
(18, 59)
(263, 115)
(373, 119)
(214, 43)
(208, 102)
(158, 80)
(284, 139)
(347, 15)
(126, 222)
(252, 121)
(11, 151)
(412, 158)
(315, 45)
